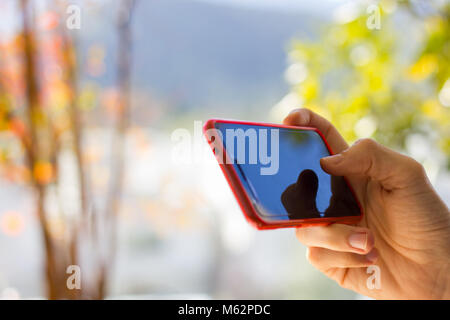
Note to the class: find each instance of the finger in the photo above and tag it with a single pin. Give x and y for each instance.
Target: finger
(324, 259)
(369, 159)
(307, 118)
(337, 237)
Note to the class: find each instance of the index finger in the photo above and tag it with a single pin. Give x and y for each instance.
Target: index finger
(307, 118)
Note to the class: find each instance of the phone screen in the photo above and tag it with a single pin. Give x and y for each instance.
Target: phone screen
(280, 171)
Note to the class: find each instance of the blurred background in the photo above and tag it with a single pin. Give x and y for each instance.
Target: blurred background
(92, 93)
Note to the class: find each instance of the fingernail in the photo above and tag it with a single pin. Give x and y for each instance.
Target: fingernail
(333, 160)
(358, 241)
(372, 256)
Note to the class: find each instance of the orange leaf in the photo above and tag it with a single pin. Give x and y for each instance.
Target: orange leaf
(43, 172)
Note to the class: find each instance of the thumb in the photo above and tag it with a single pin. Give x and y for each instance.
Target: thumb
(366, 158)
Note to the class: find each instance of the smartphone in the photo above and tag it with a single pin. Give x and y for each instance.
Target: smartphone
(275, 174)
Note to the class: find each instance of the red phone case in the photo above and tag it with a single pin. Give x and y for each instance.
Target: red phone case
(247, 207)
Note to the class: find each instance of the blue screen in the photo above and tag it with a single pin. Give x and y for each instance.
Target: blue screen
(281, 173)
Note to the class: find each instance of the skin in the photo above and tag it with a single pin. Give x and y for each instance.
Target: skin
(405, 230)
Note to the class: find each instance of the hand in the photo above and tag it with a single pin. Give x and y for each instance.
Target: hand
(405, 230)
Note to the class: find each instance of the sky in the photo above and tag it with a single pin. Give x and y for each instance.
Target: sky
(300, 5)
(8, 23)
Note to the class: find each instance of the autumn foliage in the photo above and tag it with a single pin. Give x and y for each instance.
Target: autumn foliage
(42, 124)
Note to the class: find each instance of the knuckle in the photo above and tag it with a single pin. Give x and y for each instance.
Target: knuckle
(415, 166)
(341, 277)
(366, 144)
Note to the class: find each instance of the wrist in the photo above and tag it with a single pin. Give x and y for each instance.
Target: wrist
(445, 270)
(446, 295)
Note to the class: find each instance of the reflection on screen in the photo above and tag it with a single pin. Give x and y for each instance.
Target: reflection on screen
(299, 189)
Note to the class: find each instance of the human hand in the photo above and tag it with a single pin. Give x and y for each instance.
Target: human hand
(405, 230)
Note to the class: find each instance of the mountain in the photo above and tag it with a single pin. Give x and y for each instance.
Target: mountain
(195, 54)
